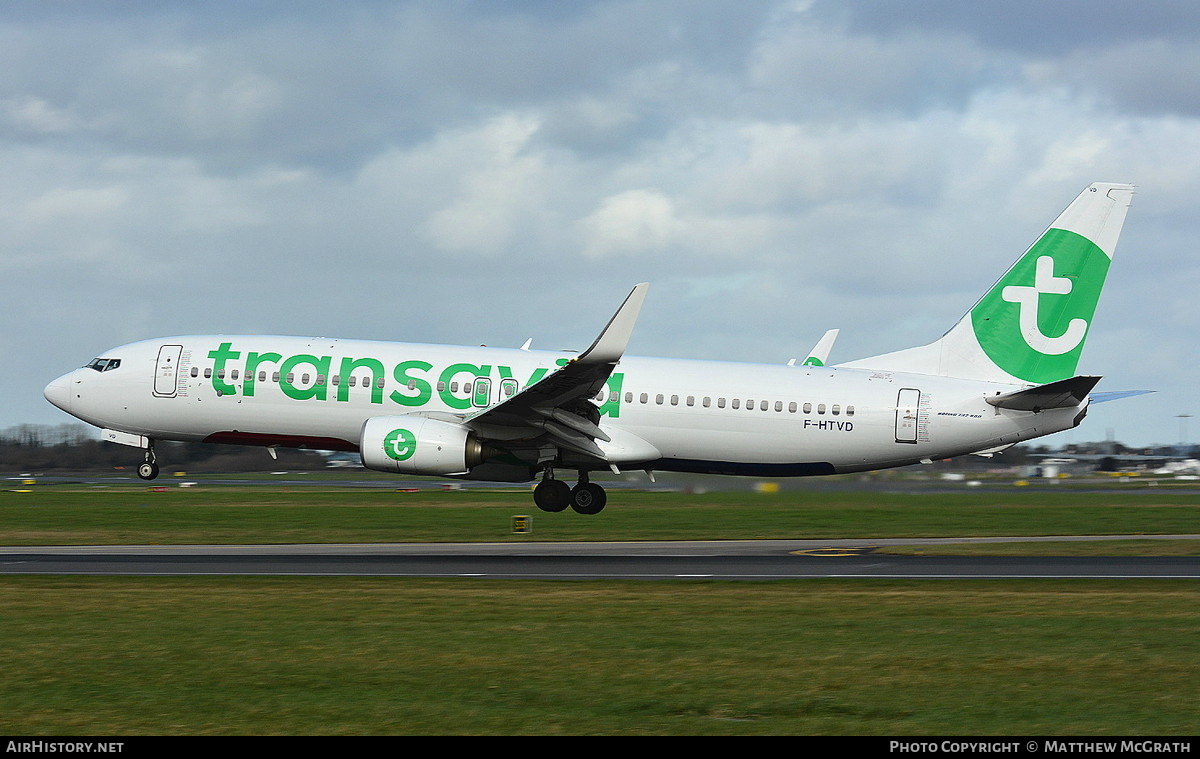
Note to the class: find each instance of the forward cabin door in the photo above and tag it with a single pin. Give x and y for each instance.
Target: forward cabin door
(166, 372)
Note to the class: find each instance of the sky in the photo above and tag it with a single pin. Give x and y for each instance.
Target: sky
(479, 171)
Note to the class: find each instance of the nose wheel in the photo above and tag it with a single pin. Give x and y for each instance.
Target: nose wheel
(555, 495)
(148, 469)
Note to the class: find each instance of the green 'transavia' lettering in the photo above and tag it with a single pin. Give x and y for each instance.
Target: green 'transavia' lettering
(219, 356)
(414, 383)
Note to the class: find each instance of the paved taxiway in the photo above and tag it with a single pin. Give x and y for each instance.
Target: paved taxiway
(719, 560)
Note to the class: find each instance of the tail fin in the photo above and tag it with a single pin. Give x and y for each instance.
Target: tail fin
(1031, 325)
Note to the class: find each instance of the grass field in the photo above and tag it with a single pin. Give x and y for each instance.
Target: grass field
(250, 656)
(123, 656)
(73, 515)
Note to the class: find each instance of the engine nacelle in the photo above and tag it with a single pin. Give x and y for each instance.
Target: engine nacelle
(409, 444)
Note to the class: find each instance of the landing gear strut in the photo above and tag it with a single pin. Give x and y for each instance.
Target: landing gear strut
(148, 469)
(555, 495)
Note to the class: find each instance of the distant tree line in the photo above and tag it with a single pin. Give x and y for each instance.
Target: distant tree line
(74, 447)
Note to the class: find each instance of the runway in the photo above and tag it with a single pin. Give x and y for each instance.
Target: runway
(668, 560)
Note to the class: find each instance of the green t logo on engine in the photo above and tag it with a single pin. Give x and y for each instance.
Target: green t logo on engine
(400, 444)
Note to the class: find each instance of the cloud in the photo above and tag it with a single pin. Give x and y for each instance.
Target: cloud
(631, 222)
(774, 168)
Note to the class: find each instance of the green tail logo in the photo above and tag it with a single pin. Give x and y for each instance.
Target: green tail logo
(1033, 322)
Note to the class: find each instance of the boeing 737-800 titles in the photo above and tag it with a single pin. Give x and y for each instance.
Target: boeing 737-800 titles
(1003, 374)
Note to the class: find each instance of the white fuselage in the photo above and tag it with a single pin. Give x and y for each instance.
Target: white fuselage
(698, 416)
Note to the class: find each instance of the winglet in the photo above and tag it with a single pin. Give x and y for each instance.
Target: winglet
(610, 345)
(819, 355)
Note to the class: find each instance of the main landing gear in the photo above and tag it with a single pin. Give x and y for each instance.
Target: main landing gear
(556, 495)
(148, 469)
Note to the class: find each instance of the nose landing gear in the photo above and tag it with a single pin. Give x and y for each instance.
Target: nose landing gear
(148, 470)
(555, 495)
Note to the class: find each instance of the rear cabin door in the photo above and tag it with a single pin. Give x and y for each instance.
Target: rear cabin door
(166, 372)
(908, 403)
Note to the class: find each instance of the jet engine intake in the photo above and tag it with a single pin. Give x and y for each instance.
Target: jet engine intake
(410, 444)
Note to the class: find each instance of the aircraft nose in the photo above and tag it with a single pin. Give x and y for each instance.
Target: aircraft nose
(58, 392)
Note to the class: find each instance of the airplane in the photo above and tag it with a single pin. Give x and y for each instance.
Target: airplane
(1003, 374)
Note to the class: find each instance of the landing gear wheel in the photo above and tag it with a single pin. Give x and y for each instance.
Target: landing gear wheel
(588, 498)
(147, 470)
(552, 495)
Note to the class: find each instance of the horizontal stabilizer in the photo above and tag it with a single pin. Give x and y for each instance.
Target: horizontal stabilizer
(1116, 395)
(1062, 394)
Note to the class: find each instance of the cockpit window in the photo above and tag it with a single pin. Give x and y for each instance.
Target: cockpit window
(104, 364)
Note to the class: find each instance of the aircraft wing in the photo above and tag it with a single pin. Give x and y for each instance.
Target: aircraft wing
(558, 405)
